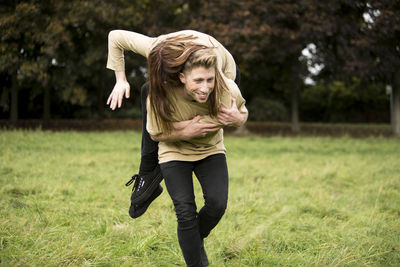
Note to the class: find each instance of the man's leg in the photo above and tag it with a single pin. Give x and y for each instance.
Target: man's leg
(179, 182)
(212, 173)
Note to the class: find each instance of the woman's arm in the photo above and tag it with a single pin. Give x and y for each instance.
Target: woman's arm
(120, 89)
(118, 42)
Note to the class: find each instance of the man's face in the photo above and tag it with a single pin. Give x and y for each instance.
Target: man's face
(198, 83)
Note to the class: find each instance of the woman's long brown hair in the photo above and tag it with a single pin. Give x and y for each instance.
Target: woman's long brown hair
(166, 60)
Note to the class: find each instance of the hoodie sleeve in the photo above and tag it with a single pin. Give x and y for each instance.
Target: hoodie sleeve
(120, 41)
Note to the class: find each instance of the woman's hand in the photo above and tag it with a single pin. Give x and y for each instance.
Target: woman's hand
(231, 116)
(120, 89)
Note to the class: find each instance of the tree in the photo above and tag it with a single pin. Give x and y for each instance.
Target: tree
(382, 38)
(31, 36)
(59, 48)
(267, 38)
(365, 44)
(18, 47)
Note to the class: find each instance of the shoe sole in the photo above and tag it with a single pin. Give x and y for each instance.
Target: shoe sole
(135, 213)
(149, 191)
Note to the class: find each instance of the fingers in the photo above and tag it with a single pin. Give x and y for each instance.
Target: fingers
(116, 97)
(209, 128)
(222, 116)
(206, 131)
(120, 97)
(215, 128)
(223, 110)
(197, 118)
(113, 104)
(224, 119)
(111, 101)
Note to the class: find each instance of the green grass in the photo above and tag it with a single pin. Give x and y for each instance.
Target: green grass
(292, 202)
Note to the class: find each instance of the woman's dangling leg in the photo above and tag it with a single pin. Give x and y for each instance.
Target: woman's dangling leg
(147, 183)
(149, 148)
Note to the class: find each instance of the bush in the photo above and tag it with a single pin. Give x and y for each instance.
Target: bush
(349, 101)
(261, 109)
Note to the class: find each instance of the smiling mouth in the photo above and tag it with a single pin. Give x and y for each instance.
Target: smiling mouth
(202, 96)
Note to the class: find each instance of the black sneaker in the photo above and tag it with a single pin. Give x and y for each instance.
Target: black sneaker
(144, 185)
(136, 210)
(203, 254)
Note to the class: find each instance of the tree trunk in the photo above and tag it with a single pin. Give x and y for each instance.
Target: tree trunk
(46, 107)
(100, 102)
(396, 104)
(14, 101)
(295, 85)
(295, 109)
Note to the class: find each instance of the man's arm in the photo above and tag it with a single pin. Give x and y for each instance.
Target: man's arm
(234, 111)
(186, 130)
(233, 116)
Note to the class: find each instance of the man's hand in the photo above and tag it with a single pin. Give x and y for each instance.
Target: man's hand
(120, 89)
(231, 116)
(195, 128)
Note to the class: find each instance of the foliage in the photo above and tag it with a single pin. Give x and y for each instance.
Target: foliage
(363, 41)
(353, 101)
(63, 48)
(261, 109)
(293, 202)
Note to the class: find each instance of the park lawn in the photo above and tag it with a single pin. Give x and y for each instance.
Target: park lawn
(292, 202)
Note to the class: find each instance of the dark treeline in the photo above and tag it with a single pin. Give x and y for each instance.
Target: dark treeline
(309, 60)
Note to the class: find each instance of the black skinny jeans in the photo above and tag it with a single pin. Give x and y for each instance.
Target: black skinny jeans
(149, 148)
(193, 227)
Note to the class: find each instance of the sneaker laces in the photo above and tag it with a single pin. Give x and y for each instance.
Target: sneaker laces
(135, 178)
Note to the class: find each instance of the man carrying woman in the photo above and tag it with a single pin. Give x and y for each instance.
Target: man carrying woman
(191, 96)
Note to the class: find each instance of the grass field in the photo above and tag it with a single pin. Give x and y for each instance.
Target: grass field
(292, 202)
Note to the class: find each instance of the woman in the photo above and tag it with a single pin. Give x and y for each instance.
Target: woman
(146, 187)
